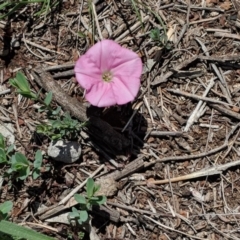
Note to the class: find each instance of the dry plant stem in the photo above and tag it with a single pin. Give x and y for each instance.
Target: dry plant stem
(225, 111)
(195, 114)
(172, 229)
(129, 208)
(177, 68)
(133, 28)
(76, 189)
(45, 80)
(16, 119)
(218, 169)
(218, 73)
(200, 8)
(221, 59)
(227, 35)
(96, 20)
(132, 167)
(196, 97)
(59, 67)
(41, 47)
(189, 157)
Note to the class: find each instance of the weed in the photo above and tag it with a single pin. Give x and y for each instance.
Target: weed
(87, 202)
(19, 165)
(11, 7)
(58, 126)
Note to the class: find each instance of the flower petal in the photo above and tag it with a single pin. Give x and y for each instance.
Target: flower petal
(129, 65)
(104, 53)
(87, 73)
(101, 95)
(125, 89)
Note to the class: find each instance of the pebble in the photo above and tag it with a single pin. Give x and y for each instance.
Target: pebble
(64, 151)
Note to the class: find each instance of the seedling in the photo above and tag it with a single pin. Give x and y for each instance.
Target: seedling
(160, 38)
(87, 202)
(19, 165)
(61, 128)
(58, 127)
(21, 84)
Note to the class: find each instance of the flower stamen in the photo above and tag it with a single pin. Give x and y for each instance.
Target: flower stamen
(107, 76)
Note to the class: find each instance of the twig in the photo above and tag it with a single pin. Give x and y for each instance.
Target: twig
(195, 114)
(177, 68)
(174, 230)
(132, 167)
(96, 20)
(225, 111)
(194, 96)
(218, 169)
(133, 28)
(188, 157)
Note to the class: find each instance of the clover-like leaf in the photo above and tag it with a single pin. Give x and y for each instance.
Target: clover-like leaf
(80, 199)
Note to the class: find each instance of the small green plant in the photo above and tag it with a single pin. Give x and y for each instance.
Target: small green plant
(61, 128)
(160, 38)
(58, 126)
(21, 84)
(87, 202)
(19, 165)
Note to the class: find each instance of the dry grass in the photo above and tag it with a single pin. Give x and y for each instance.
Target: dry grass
(178, 179)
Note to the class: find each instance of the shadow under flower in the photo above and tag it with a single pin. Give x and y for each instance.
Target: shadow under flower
(106, 129)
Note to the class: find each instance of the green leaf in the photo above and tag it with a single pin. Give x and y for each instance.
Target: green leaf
(83, 214)
(96, 188)
(3, 157)
(21, 232)
(56, 111)
(2, 142)
(98, 200)
(155, 34)
(74, 213)
(23, 173)
(5, 208)
(38, 159)
(80, 199)
(20, 158)
(90, 187)
(48, 99)
(36, 173)
(10, 148)
(21, 82)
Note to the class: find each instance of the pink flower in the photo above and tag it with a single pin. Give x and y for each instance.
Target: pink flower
(109, 73)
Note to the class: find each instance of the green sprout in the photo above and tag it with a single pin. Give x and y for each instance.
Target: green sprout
(58, 126)
(87, 202)
(21, 84)
(19, 165)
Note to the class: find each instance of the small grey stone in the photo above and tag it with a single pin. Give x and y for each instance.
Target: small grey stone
(64, 151)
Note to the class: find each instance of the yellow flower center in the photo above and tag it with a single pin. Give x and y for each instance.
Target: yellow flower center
(107, 76)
